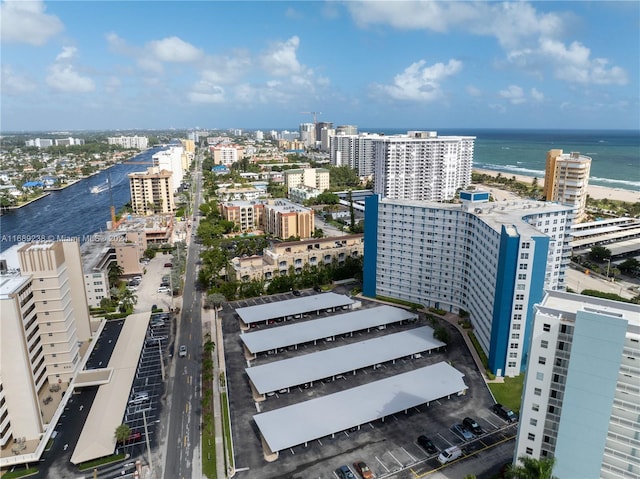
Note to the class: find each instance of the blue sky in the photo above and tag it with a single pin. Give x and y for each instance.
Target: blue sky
(108, 65)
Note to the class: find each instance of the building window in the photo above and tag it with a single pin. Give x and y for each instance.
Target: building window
(546, 327)
(544, 344)
(537, 392)
(540, 376)
(529, 451)
(535, 407)
(533, 422)
(531, 436)
(542, 360)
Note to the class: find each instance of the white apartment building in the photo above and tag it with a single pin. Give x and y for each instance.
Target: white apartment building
(226, 154)
(422, 165)
(492, 260)
(566, 180)
(581, 397)
(172, 159)
(139, 142)
(311, 177)
(308, 134)
(45, 320)
(355, 151)
(152, 191)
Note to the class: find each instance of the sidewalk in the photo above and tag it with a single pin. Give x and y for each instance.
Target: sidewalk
(210, 318)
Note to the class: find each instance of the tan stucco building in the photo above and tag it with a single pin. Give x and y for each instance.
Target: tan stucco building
(566, 180)
(284, 219)
(151, 191)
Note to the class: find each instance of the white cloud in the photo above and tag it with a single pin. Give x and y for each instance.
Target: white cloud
(419, 82)
(27, 22)
(206, 92)
(530, 38)
(67, 53)
(226, 68)
(281, 59)
(537, 95)
(15, 83)
(173, 49)
(65, 78)
(514, 94)
(113, 84)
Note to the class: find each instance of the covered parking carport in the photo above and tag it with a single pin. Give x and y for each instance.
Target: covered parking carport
(97, 437)
(321, 328)
(291, 308)
(305, 369)
(303, 422)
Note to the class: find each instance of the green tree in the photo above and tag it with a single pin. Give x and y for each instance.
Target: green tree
(122, 433)
(129, 300)
(114, 272)
(214, 300)
(630, 266)
(532, 468)
(599, 253)
(441, 334)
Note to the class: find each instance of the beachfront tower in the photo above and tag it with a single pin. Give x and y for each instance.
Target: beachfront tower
(566, 179)
(580, 398)
(492, 260)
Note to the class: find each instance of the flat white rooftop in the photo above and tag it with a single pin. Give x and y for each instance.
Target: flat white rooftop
(323, 364)
(97, 436)
(290, 307)
(299, 423)
(306, 331)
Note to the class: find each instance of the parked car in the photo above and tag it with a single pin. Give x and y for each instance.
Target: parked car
(449, 454)
(363, 470)
(504, 412)
(296, 292)
(461, 431)
(344, 472)
(168, 265)
(427, 444)
(317, 289)
(471, 425)
(163, 289)
(183, 351)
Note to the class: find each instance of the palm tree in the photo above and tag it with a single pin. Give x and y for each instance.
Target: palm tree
(114, 272)
(122, 433)
(532, 468)
(128, 300)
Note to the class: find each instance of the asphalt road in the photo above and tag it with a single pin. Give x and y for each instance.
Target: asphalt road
(183, 438)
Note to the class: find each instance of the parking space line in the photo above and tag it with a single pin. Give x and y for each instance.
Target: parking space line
(407, 452)
(444, 439)
(394, 458)
(382, 464)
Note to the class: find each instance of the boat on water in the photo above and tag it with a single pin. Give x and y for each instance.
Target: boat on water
(99, 188)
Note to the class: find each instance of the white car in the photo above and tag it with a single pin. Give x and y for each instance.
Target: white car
(163, 289)
(183, 351)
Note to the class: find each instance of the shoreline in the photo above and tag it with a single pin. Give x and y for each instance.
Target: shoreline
(594, 191)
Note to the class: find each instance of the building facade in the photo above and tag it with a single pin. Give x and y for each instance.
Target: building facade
(139, 142)
(248, 215)
(152, 192)
(226, 154)
(355, 151)
(422, 165)
(284, 219)
(492, 260)
(311, 177)
(566, 180)
(280, 258)
(581, 397)
(173, 159)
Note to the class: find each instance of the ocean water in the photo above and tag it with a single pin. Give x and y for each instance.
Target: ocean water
(615, 155)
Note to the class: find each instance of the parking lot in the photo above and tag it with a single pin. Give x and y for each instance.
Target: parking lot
(146, 395)
(387, 446)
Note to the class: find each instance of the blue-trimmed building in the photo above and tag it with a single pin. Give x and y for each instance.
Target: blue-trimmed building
(581, 396)
(492, 260)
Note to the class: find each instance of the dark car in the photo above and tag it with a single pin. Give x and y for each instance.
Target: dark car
(504, 412)
(344, 472)
(427, 444)
(168, 265)
(472, 425)
(296, 292)
(317, 289)
(363, 470)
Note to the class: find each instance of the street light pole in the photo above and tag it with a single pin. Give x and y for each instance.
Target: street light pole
(608, 260)
(146, 436)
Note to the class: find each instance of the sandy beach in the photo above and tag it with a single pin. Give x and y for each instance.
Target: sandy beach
(596, 192)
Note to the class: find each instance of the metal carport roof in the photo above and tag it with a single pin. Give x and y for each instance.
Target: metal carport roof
(97, 437)
(299, 423)
(290, 307)
(323, 364)
(299, 333)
